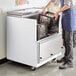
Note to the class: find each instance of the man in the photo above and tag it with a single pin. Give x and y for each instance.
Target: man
(68, 28)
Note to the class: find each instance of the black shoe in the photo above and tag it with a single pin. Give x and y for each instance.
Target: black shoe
(65, 66)
(61, 60)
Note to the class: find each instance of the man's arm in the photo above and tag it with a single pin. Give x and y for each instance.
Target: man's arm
(49, 4)
(65, 7)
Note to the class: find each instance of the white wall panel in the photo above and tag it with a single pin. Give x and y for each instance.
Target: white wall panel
(10, 4)
(2, 35)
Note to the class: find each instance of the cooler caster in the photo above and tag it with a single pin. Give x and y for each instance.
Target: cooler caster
(33, 68)
(54, 60)
(62, 47)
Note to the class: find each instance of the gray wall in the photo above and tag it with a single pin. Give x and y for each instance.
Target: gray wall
(2, 35)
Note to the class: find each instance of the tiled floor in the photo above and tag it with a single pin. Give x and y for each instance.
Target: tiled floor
(49, 69)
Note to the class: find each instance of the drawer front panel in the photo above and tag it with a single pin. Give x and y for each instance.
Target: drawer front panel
(50, 47)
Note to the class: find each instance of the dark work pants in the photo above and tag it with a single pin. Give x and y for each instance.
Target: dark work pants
(68, 44)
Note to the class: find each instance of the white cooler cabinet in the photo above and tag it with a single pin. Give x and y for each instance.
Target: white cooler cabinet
(22, 44)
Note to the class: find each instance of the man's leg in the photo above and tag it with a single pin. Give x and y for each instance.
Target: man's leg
(68, 37)
(68, 46)
(74, 39)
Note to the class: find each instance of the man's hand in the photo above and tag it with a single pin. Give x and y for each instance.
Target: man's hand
(56, 15)
(43, 12)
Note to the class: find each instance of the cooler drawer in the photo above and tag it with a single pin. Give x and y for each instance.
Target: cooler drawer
(51, 47)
